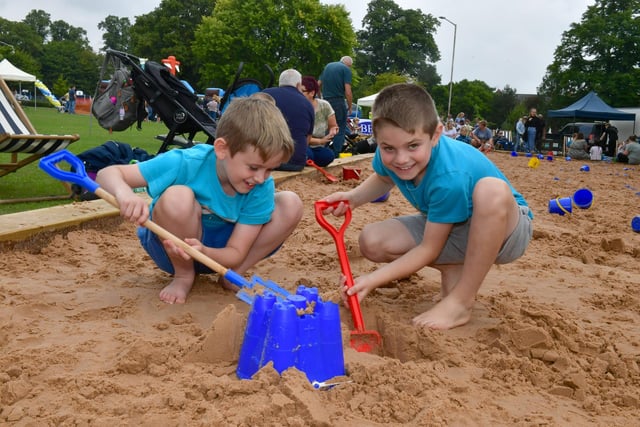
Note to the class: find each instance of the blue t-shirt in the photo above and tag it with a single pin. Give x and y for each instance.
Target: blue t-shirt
(300, 116)
(445, 193)
(195, 168)
(483, 134)
(333, 78)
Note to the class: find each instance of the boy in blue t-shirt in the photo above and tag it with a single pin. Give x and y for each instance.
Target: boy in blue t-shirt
(470, 217)
(219, 198)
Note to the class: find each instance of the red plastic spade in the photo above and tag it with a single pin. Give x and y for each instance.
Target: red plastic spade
(362, 340)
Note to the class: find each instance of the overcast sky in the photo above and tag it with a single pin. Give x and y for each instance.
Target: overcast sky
(500, 42)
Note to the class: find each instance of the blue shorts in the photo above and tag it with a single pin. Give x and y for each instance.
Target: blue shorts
(215, 234)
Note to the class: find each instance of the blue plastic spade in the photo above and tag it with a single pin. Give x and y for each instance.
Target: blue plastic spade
(79, 176)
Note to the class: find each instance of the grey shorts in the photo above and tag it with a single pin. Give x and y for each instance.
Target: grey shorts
(456, 246)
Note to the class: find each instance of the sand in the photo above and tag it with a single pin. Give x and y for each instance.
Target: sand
(554, 339)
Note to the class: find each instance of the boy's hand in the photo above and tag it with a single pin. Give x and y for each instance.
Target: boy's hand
(360, 287)
(133, 208)
(341, 208)
(171, 247)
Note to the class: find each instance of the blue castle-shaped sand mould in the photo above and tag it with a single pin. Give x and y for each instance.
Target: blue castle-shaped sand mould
(300, 331)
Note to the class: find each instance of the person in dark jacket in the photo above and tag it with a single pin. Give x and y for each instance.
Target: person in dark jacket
(532, 126)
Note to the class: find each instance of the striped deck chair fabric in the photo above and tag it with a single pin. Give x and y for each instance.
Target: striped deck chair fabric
(19, 137)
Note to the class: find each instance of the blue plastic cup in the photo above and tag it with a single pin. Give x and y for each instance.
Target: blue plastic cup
(311, 294)
(585, 168)
(568, 158)
(550, 158)
(635, 224)
(331, 340)
(540, 156)
(514, 154)
(282, 337)
(583, 198)
(560, 206)
(310, 360)
(528, 155)
(253, 344)
(299, 301)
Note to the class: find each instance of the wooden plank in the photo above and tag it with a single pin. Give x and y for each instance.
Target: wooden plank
(22, 225)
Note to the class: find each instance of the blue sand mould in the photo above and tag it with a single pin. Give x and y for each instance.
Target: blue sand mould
(582, 198)
(560, 206)
(300, 331)
(635, 224)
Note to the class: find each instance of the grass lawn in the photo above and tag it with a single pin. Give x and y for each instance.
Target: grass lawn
(31, 181)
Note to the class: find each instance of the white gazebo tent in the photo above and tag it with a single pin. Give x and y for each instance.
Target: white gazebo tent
(10, 72)
(367, 101)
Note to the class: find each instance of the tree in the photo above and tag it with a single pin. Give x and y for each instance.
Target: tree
(474, 98)
(395, 40)
(77, 66)
(61, 31)
(301, 34)
(21, 36)
(117, 33)
(169, 30)
(502, 103)
(61, 86)
(514, 115)
(40, 22)
(601, 53)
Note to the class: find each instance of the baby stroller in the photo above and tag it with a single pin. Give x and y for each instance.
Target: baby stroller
(245, 86)
(169, 98)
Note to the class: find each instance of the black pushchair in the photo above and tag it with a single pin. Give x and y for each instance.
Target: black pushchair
(244, 86)
(169, 98)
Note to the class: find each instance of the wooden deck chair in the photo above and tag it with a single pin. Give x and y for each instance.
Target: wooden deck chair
(19, 137)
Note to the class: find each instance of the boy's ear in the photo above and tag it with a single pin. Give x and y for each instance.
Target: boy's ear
(221, 148)
(438, 131)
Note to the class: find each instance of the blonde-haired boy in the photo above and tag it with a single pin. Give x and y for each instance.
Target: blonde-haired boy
(219, 198)
(469, 216)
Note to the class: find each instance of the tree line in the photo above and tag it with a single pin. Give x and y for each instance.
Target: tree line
(211, 38)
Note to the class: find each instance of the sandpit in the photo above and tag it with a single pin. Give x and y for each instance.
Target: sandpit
(554, 338)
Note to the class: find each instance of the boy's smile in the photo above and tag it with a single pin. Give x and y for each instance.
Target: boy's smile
(406, 154)
(243, 171)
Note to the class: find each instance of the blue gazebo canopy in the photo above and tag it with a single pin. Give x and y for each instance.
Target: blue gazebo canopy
(591, 107)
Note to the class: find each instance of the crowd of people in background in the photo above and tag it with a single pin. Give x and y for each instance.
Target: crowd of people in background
(320, 134)
(606, 144)
(527, 136)
(529, 133)
(477, 134)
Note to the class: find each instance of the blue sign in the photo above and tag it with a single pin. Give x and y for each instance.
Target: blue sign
(365, 127)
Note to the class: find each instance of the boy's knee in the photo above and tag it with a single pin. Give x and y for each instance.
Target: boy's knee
(178, 201)
(371, 245)
(289, 203)
(492, 194)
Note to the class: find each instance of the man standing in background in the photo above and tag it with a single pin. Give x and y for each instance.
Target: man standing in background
(532, 127)
(71, 100)
(335, 85)
(609, 140)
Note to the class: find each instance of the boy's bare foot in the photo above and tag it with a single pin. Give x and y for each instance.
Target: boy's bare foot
(446, 314)
(176, 291)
